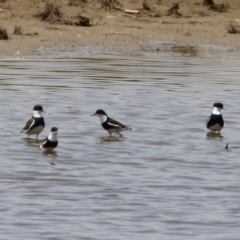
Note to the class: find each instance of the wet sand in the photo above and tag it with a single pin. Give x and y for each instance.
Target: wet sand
(111, 27)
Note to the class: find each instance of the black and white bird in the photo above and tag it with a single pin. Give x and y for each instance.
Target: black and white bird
(215, 122)
(109, 124)
(36, 123)
(50, 142)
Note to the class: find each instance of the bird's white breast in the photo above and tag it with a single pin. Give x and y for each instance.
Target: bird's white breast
(52, 137)
(37, 114)
(216, 111)
(103, 118)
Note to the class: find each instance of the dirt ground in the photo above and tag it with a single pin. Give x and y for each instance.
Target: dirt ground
(115, 23)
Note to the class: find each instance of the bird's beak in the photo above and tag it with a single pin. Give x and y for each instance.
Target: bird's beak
(43, 111)
(224, 109)
(93, 114)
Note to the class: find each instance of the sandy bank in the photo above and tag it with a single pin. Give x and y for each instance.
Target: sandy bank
(111, 26)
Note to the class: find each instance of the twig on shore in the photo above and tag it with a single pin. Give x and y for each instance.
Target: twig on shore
(131, 11)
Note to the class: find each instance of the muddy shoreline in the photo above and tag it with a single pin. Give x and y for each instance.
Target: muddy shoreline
(111, 29)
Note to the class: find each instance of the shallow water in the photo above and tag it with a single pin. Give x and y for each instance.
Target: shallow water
(166, 179)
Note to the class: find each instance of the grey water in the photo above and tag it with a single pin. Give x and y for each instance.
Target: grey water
(165, 179)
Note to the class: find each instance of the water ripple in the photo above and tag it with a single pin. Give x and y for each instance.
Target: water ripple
(166, 179)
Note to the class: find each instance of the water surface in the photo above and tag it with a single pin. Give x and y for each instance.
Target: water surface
(164, 180)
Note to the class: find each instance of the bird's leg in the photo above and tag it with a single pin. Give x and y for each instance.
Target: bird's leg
(120, 134)
(36, 136)
(110, 134)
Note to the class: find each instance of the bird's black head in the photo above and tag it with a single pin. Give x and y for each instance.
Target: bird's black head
(38, 108)
(218, 105)
(54, 129)
(99, 111)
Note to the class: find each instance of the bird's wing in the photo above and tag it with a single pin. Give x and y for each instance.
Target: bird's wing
(115, 123)
(211, 120)
(208, 121)
(28, 125)
(215, 119)
(44, 141)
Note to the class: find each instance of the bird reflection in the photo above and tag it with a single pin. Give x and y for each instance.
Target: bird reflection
(214, 135)
(36, 144)
(111, 139)
(31, 142)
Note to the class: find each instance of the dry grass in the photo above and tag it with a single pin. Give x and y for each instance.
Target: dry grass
(174, 10)
(77, 2)
(222, 7)
(83, 21)
(110, 4)
(145, 5)
(157, 14)
(233, 27)
(208, 2)
(3, 34)
(203, 14)
(51, 13)
(17, 30)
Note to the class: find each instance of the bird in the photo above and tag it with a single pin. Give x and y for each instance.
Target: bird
(109, 124)
(50, 142)
(35, 124)
(215, 122)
